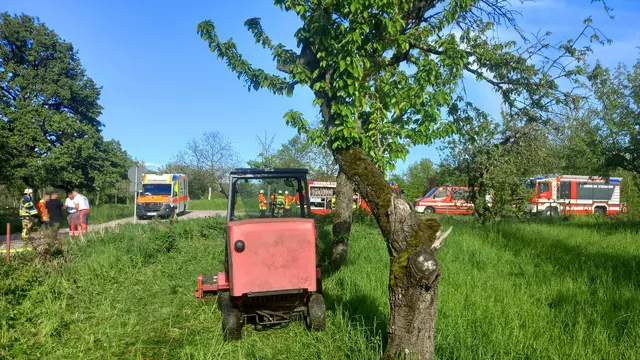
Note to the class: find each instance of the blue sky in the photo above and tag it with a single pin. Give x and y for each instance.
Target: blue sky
(162, 86)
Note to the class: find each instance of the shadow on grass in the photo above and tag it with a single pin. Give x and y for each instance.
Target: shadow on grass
(605, 285)
(604, 226)
(364, 311)
(571, 260)
(360, 309)
(325, 242)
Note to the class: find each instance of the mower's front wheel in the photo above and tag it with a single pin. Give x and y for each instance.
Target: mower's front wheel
(231, 318)
(316, 318)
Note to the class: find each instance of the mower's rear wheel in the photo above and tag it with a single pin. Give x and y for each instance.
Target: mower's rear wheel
(316, 318)
(231, 318)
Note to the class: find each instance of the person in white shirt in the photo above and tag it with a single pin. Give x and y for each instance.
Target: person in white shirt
(72, 216)
(82, 206)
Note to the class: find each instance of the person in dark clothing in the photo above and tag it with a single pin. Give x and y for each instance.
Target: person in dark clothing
(54, 208)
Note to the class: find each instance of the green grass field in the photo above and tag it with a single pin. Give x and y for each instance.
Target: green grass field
(215, 203)
(534, 290)
(105, 213)
(204, 204)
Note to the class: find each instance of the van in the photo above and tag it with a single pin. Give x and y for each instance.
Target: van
(164, 195)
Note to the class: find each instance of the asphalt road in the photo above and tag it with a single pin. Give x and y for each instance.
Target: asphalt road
(16, 239)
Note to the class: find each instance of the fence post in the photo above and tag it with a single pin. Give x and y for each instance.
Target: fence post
(8, 242)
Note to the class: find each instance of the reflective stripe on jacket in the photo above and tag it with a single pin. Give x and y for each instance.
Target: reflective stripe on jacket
(26, 207)
(263, 202)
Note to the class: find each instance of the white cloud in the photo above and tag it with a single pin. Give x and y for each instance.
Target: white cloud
(152, 165)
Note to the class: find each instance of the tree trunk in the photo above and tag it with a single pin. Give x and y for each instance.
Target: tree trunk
(342, 215)
(209, 198)
(223, 190)
(412, 246)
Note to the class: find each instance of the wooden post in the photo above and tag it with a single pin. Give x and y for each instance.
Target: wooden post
(8, 242)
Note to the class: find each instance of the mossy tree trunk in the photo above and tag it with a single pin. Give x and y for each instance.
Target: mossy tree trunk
(412, 243)
(342, 216)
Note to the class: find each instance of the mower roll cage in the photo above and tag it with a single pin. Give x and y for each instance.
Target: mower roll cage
(298, 174)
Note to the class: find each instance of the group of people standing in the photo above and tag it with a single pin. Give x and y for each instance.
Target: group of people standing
(280, 204)
(51, 211)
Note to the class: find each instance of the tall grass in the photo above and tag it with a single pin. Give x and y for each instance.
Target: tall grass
(559, 290)
(109, 212)
(509, 290)
(204, 204)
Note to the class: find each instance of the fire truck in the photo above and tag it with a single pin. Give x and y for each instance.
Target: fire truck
(323, 193)
(575, 194)
(445, 200)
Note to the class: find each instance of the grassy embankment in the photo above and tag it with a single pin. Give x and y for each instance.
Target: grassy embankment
(563, 290)
(204, 204)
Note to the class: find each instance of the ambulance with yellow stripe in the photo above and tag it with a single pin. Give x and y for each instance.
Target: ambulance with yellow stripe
(164, 195)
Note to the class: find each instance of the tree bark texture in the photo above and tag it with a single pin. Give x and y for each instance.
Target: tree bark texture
(342, 216)
(414, 270)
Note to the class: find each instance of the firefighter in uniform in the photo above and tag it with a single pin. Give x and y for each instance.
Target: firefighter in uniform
(272, 209)
(27, 212)
(263, 204)
(287, 203)
(279, 203)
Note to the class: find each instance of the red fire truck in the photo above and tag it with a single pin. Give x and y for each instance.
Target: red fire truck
(445, 200)
(575, 194)
(321, 194)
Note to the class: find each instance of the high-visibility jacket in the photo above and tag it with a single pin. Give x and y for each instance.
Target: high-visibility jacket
(287, 201)
(263, 202)
(26, 207)
(42, 207)
(333, 203)
(280, 201)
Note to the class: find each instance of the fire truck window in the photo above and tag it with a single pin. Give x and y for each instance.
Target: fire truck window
(565, 190)
(543, 188)
(459, 194)
(441, 193)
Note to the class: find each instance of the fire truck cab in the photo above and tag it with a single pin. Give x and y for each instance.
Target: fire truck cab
(445, 200)
(575, 194)
(322, 196)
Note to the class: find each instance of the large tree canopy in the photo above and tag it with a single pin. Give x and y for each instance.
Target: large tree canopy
(211, 156)
(385, 74)
(616, 112)
(49, 111)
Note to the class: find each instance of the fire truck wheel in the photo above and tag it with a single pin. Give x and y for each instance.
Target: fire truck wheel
(602, 211)
(552, 212)
(316, 319)
(429, 210)
(231, 318)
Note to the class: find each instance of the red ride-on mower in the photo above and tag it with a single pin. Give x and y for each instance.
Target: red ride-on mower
(270, 274)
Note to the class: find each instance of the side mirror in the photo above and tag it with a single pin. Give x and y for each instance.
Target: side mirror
(289, 183)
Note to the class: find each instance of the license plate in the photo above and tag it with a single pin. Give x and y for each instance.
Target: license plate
(152, 214)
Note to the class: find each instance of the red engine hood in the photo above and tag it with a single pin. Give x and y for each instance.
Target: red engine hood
(279, 254)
